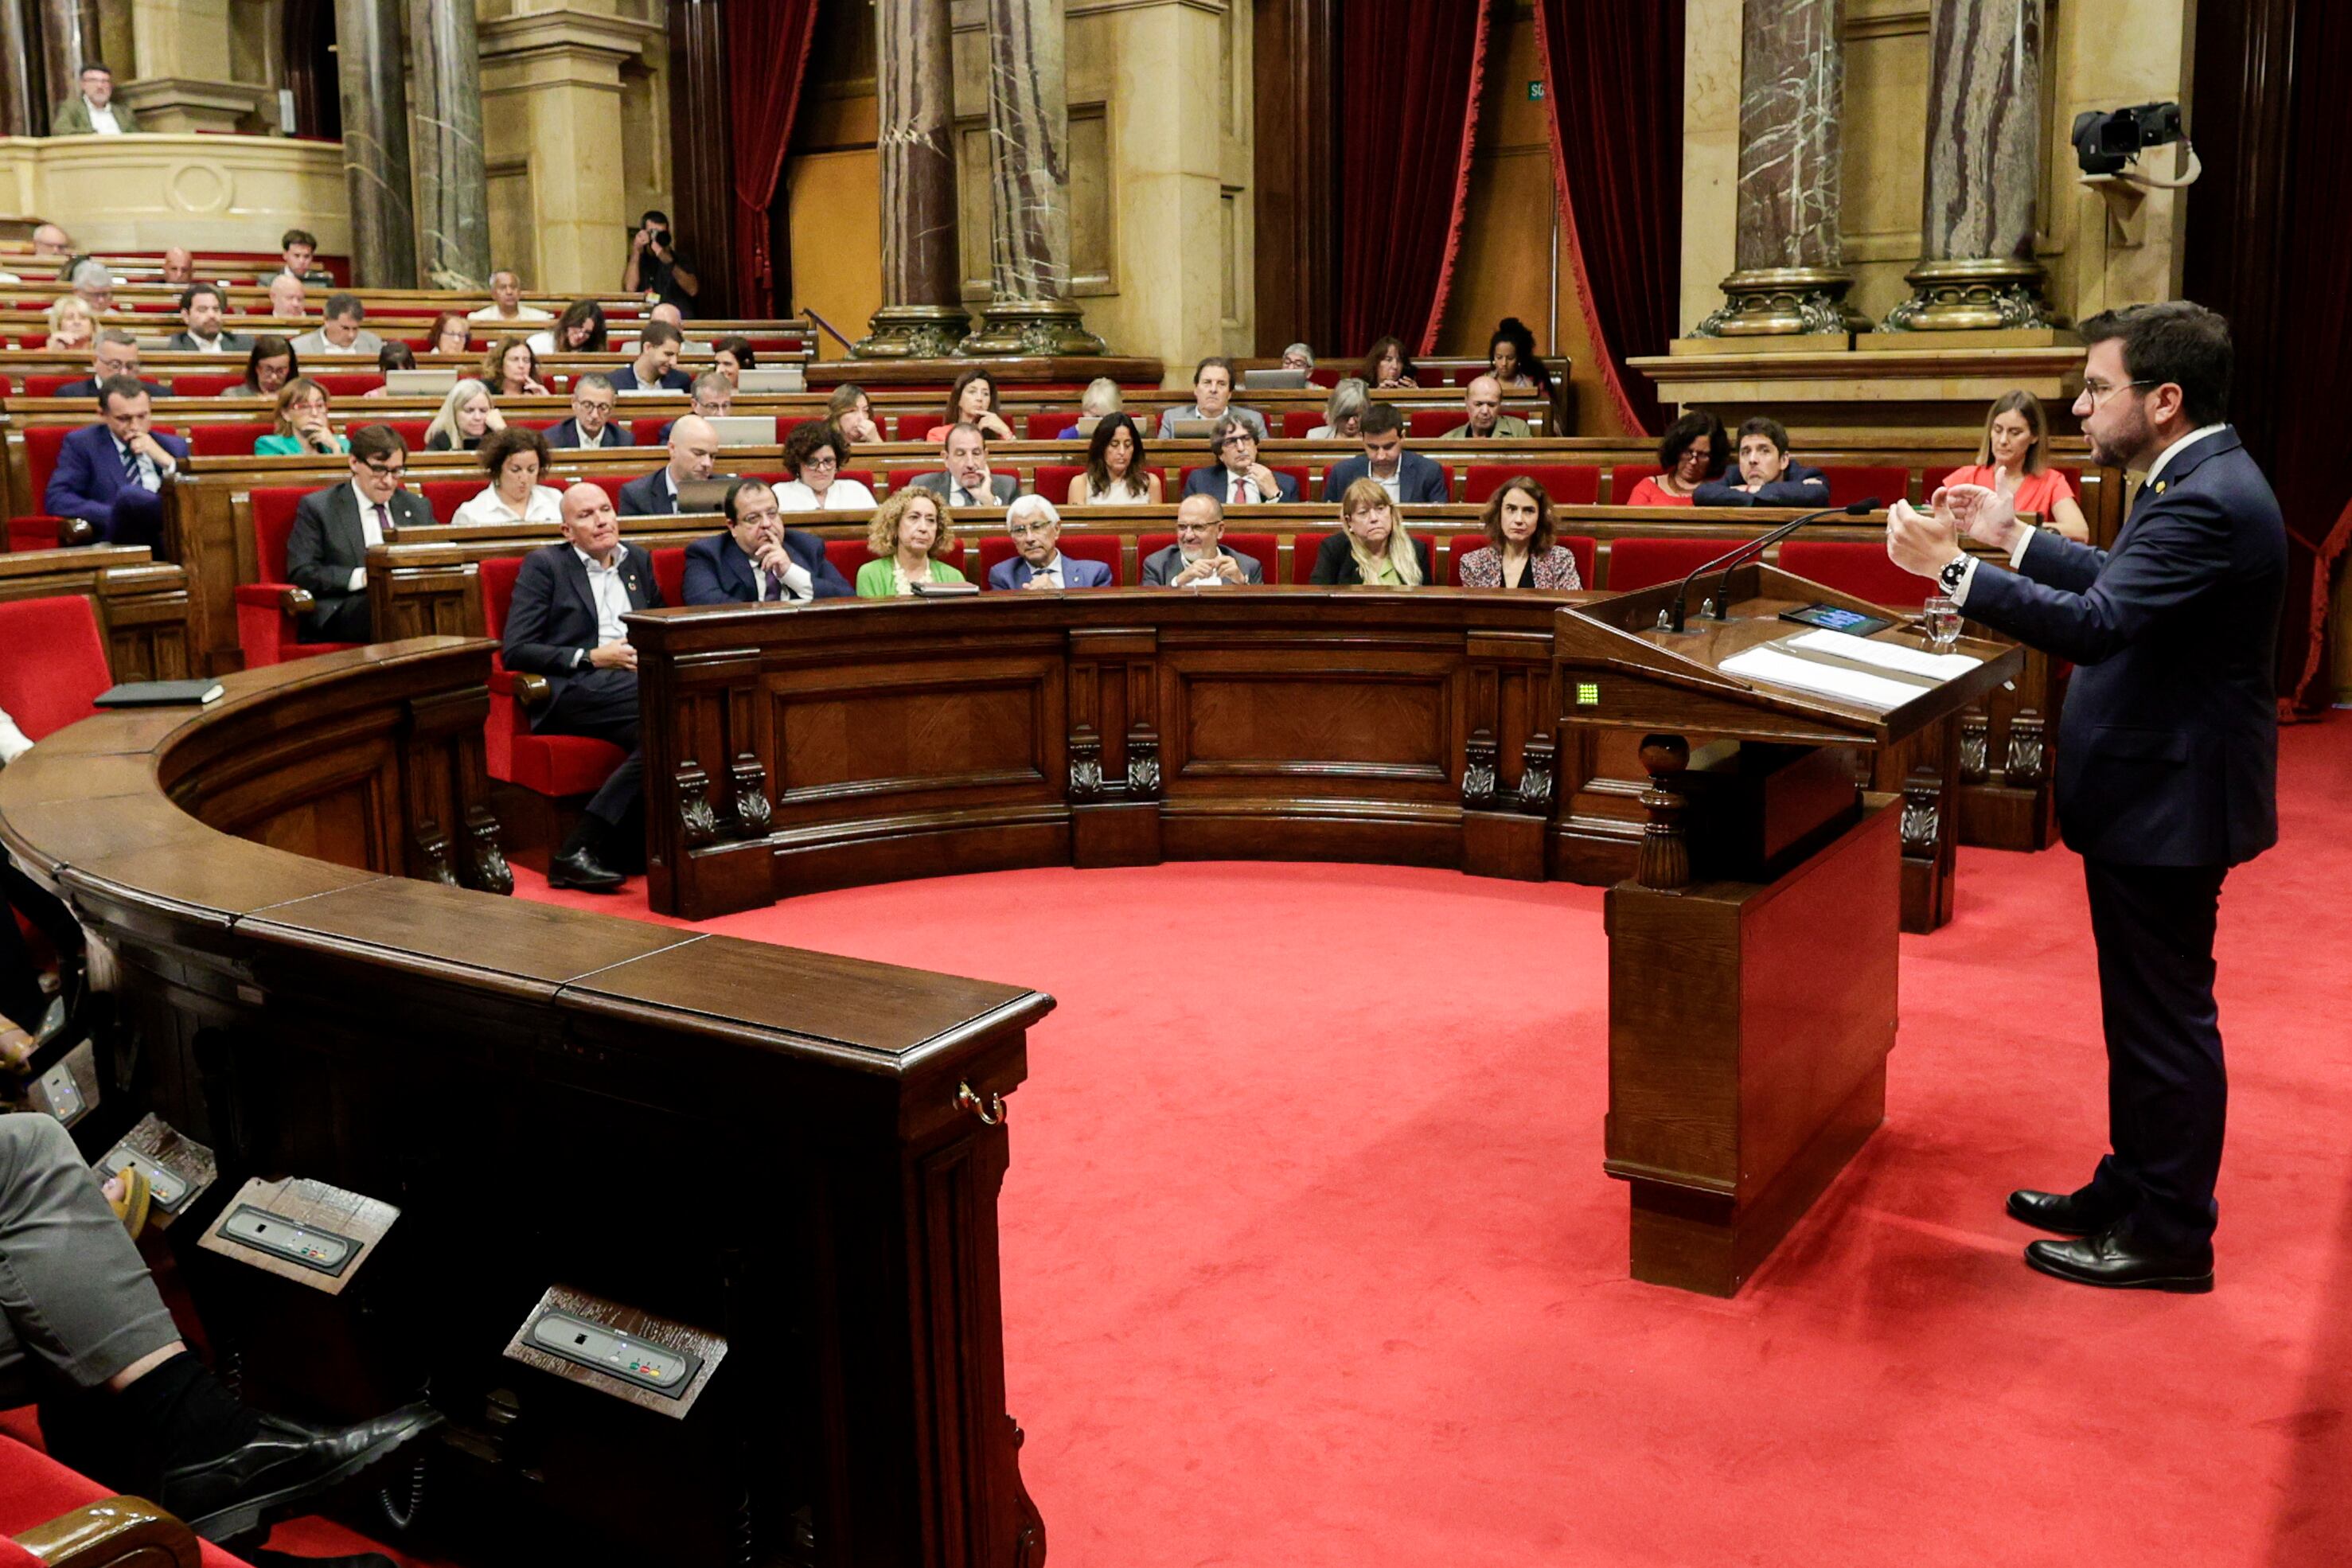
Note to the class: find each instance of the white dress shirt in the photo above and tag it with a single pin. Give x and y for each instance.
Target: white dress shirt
(542, 343)
(374, 518)
(215, 344)
(611, 593)
(1051, 571)
(522, 313)
(842, 495)
(13, 742)
(1239, 491)
(545, 505)
(102, 120)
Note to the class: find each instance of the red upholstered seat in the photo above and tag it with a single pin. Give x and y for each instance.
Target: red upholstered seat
(445, 495)
(55, 663)
(551, 765)
(46, 385)
(348, 383)
(410, 431)
(227, 440)
(1298, 422)
(265, 632)
(1327, 375)
(1582, 546)
(646, 428)
(788, 423)
(997, 549)
(669, 572)
(847, 556)
(7, 386)
(1260, 547)
(1052, 482)
(1567, 484)
(35, 1489)
(1303, 548)
(196, 384)
(609, 483)
(1855, 567)
(1625, 476)
(1049, 425)
(1849, 484)
(1429, 424)
(900, 479)
(1645, 562)
(1586, 549)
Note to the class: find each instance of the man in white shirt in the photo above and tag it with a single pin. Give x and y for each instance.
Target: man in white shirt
(326, 553)
(506, 302)
(1199, 559)
(201, 334)
(341, 332)
(591, 422)
(298, 251)
(94, 110)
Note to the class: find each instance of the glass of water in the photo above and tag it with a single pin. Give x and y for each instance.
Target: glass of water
(1940, 621)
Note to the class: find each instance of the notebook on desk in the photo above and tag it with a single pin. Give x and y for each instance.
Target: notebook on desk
(772, 378)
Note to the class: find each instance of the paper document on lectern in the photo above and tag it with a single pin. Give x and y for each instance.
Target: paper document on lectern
(1847, 668)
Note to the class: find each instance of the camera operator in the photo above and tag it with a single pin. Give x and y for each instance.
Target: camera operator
(656, 269)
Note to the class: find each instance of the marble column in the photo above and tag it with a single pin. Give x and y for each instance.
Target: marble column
(1978, 206)
(1029, 189)
(1788, 274)
(922, 314)
(21, 85)
(453, 204)
(371, 64)
(68, 37)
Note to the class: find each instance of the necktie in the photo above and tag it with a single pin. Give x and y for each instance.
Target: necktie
(382, 521)
(131, 465)
(776, 585)
(1236, 500)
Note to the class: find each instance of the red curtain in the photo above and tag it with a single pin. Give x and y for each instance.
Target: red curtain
(767, 54)
(1612, 72)
(1410, 72)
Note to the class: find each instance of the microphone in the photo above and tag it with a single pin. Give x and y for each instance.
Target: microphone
(1670, 619)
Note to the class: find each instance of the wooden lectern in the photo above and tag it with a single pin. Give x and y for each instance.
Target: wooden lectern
(1752, 957)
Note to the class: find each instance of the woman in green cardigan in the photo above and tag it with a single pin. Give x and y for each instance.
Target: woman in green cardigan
(910, 533)
(302, 426)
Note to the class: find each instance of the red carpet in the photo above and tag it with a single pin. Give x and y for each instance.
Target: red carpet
(1308, 1258)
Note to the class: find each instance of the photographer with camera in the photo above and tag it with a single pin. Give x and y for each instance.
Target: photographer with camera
(655, 270)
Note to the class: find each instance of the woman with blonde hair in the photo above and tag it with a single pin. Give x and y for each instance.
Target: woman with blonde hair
(1371, 547)
(2013, 460)
(303, 423)
(467, 415)
(1522, 548)
(912, 534)
(71, 325)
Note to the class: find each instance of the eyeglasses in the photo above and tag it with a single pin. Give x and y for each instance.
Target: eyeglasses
(2098, 392)
(827, 462)
(1030, 530)
(382, 472)
(1239, 438)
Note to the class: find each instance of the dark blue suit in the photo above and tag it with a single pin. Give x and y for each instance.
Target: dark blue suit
(1420, 482)
(567, 433)
(1218, 481)
(1075, 574)
(2167, 764)
(88, 482)
(1797, 486)
(719, 573)
(551, 625)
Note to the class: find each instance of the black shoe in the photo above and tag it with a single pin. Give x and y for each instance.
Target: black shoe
(581, 869)
(2112, 1259)
(2068, 1214)
(261, 1559)
(288, 1463)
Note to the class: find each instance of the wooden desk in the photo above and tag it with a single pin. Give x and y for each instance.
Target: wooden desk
(554, 1097)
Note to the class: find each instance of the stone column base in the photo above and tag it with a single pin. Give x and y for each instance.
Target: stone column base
(186, 104)
(1775, 301)
(1053, 328)
(1972, 296)
(913, 332)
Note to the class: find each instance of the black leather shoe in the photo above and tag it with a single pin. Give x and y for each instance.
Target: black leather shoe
(288, 1463)
(2068, 1214)
(2115, 1260)
(581, 869)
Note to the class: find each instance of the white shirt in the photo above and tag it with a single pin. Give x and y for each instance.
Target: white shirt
(611, 593)
(150, 476)
(1393, 484)
(102, 120)
(545, 505)
(13, 744)
(215, 344)
(371, 530)
(1051, 571)
(542, 343)
(1238, 491)
(984, 496)
(522, 313)
(842, 495)
(1121, 491)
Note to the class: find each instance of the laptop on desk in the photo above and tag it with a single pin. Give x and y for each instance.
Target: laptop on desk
(419, 383)
(1275, 380)
(772, 378)
(746, 429)
(704, 495)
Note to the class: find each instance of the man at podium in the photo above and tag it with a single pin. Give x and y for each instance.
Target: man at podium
(2168, 758)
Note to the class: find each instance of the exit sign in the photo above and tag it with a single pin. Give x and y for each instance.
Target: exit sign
(1535, 92)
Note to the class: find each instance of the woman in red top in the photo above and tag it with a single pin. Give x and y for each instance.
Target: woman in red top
(973, 401)
(1696, 450)
(2013, 462)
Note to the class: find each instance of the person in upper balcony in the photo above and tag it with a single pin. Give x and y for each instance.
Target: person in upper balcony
(1767, 475)
(93, 110)
(1695, 450)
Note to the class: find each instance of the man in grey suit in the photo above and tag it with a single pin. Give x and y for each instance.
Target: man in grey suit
(200, 332)
(341, 332)
(1199, 559)
(327, 552)
(967, 481)
(693, 446)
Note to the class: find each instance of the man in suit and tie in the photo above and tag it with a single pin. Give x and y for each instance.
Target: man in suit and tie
(1409, 478)
(591, 422)
(116, 352)
(1482, 400)
(1237, 477)
(326, 553)
(693, 446)
(200, 325)
(2168, 758)
(1036, 531)
(759, 560)
(112, 473)
(1199, 559)
(967, 481)
(564, 623)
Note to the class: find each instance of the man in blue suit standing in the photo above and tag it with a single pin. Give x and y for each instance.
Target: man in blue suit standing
(2168, 758)
(111, 473)
(1036, 530)
(1412, 479)
(759, 560)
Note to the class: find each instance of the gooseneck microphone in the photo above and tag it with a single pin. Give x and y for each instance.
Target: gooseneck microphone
(1672, 618)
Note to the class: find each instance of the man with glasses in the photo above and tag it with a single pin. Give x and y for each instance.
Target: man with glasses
(116, 352)
(326, 555)
(1036, 531)
(1237, 477)
(591, 422)
(1199, 558)
(2168, 758)
(759, 560)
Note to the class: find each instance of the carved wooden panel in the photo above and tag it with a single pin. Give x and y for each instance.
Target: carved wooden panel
(925, 734)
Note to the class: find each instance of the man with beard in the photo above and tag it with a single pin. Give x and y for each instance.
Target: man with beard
(2168, 758)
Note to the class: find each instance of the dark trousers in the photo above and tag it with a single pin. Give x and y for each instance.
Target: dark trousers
(601, 704)
(2166, 1092)
(136, 518)
(20, 980)
(338, 617)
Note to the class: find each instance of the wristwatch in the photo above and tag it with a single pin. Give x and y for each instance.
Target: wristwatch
(1949, 578)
